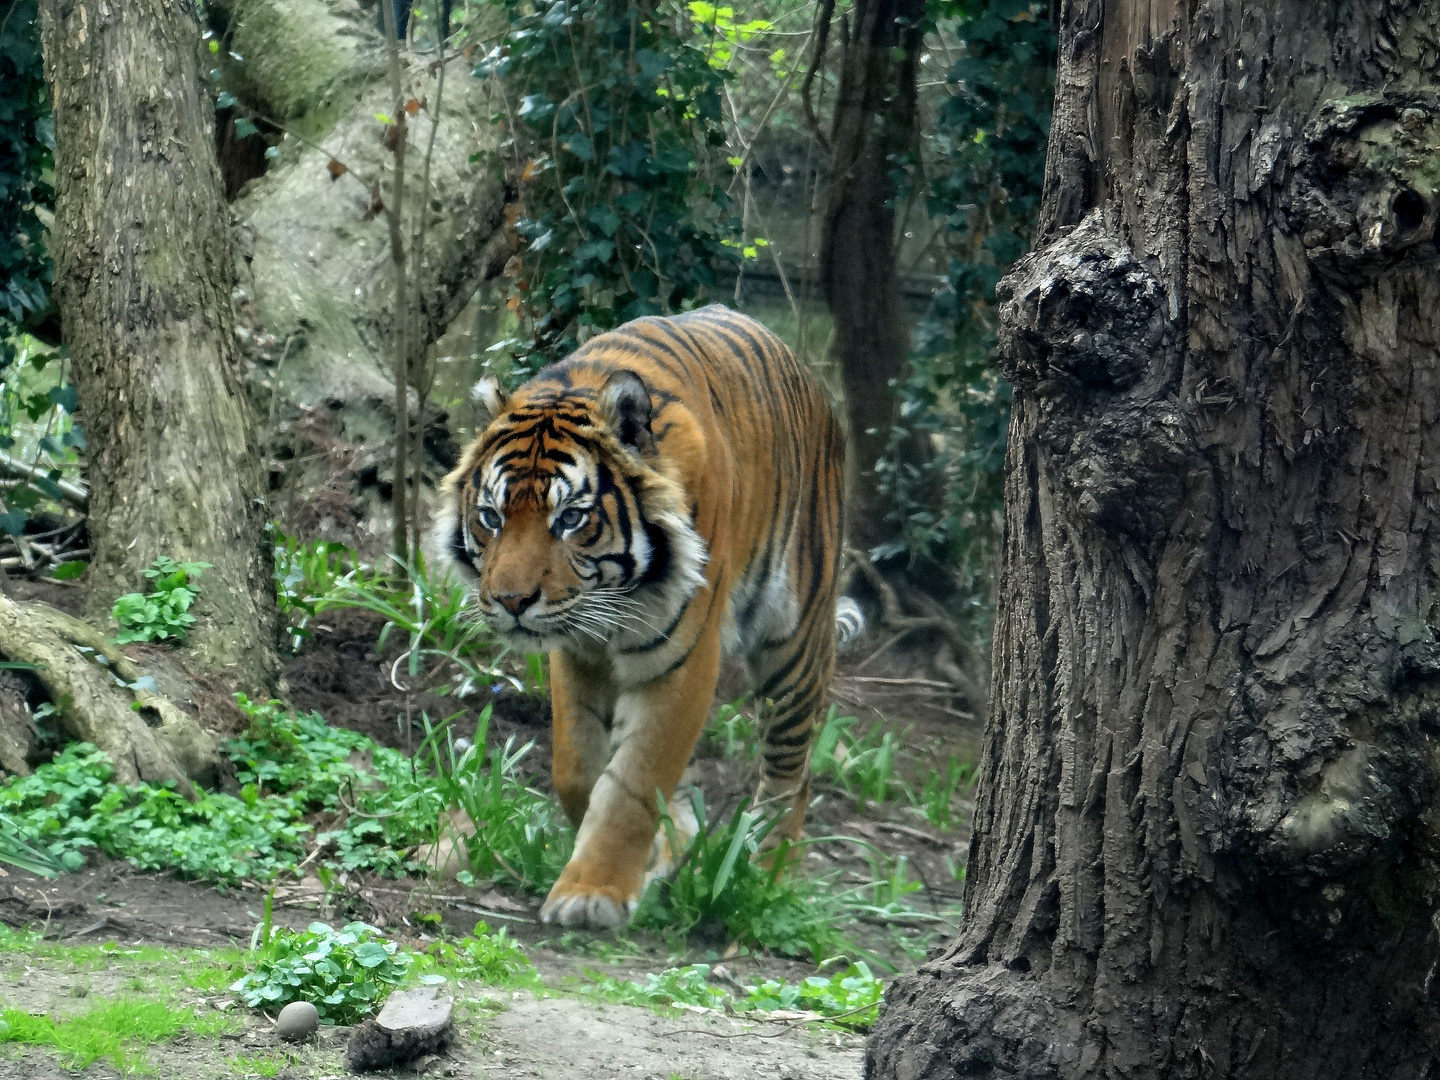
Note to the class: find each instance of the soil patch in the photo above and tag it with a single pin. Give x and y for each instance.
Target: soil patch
(112, 901)
(353, 681)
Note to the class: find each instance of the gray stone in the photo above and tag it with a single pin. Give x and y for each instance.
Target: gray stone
(412, 1023)
(297, 1021)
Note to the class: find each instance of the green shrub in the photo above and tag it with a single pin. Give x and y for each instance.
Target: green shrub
(611, 110)
(163, 613)
(71, 806)
(344, 973)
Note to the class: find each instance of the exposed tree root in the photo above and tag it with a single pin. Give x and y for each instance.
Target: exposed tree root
(102, 697)
(967, 673)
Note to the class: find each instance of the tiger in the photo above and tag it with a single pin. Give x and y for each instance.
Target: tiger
(669, 493)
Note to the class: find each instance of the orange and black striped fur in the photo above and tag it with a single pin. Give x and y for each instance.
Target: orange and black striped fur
(669, 492)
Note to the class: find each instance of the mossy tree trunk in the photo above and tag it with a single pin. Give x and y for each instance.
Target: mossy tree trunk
(144, 275)
(1205, 843)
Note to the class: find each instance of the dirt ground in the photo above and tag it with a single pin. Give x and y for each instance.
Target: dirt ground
(343, 674)
(500, 1033)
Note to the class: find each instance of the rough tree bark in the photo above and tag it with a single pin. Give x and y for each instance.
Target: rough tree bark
(1206, 842)
(873, 128)
(144, 275)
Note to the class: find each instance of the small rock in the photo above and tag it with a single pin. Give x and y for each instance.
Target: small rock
(412, 1023)
(297, 1022)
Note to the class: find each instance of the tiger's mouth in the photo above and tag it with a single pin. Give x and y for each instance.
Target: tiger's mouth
(578, 620)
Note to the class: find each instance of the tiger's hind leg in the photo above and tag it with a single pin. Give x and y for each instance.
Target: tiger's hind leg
(791, 677)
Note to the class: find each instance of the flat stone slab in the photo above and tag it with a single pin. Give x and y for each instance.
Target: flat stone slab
(412, 1023)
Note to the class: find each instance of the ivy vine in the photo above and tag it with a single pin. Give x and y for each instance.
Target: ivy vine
(611, 111)
(27, 147)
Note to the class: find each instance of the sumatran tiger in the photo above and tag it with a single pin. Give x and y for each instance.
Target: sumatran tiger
(668, 493)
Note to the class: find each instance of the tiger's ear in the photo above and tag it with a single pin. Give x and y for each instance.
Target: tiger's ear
(489, 399)
(625, 408)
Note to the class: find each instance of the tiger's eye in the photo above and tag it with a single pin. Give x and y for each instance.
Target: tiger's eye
(490, 519)
(571, 518)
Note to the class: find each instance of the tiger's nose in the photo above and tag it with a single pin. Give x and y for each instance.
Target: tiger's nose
(515, 603)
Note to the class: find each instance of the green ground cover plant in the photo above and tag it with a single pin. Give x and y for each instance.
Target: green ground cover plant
(673, 986)
(344, 973)
(162, 614)
(516, 833)
(849, 997)
(486, 956)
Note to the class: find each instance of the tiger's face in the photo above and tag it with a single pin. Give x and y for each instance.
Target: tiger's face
(558, 514)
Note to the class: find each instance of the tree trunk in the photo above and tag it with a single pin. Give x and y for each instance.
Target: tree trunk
(1205, 841)
(144, 275)
(874, 128)
(318, 314)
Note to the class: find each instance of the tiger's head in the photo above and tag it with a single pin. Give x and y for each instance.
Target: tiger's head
(567, 517)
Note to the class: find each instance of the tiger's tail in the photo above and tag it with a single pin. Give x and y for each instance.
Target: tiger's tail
(849, 621)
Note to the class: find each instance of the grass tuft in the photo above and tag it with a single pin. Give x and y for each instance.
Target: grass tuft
(118, 1031)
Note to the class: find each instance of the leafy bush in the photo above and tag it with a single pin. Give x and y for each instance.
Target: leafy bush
(985, 161)
(71, 807)
(391, 809)
(718, 881)
(289, 765)
(344, 973)
(163, 613)
(27, 146)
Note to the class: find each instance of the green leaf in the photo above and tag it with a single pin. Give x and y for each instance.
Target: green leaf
(371, 954)
(68, 571)
(244, 128)
(737, 844)
(64, 396)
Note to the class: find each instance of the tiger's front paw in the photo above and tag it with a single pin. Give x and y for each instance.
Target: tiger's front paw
(574, 901)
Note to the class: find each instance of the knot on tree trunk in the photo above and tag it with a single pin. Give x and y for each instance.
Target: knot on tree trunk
(1088, 333)
(1363, 191)
(1081, 314)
